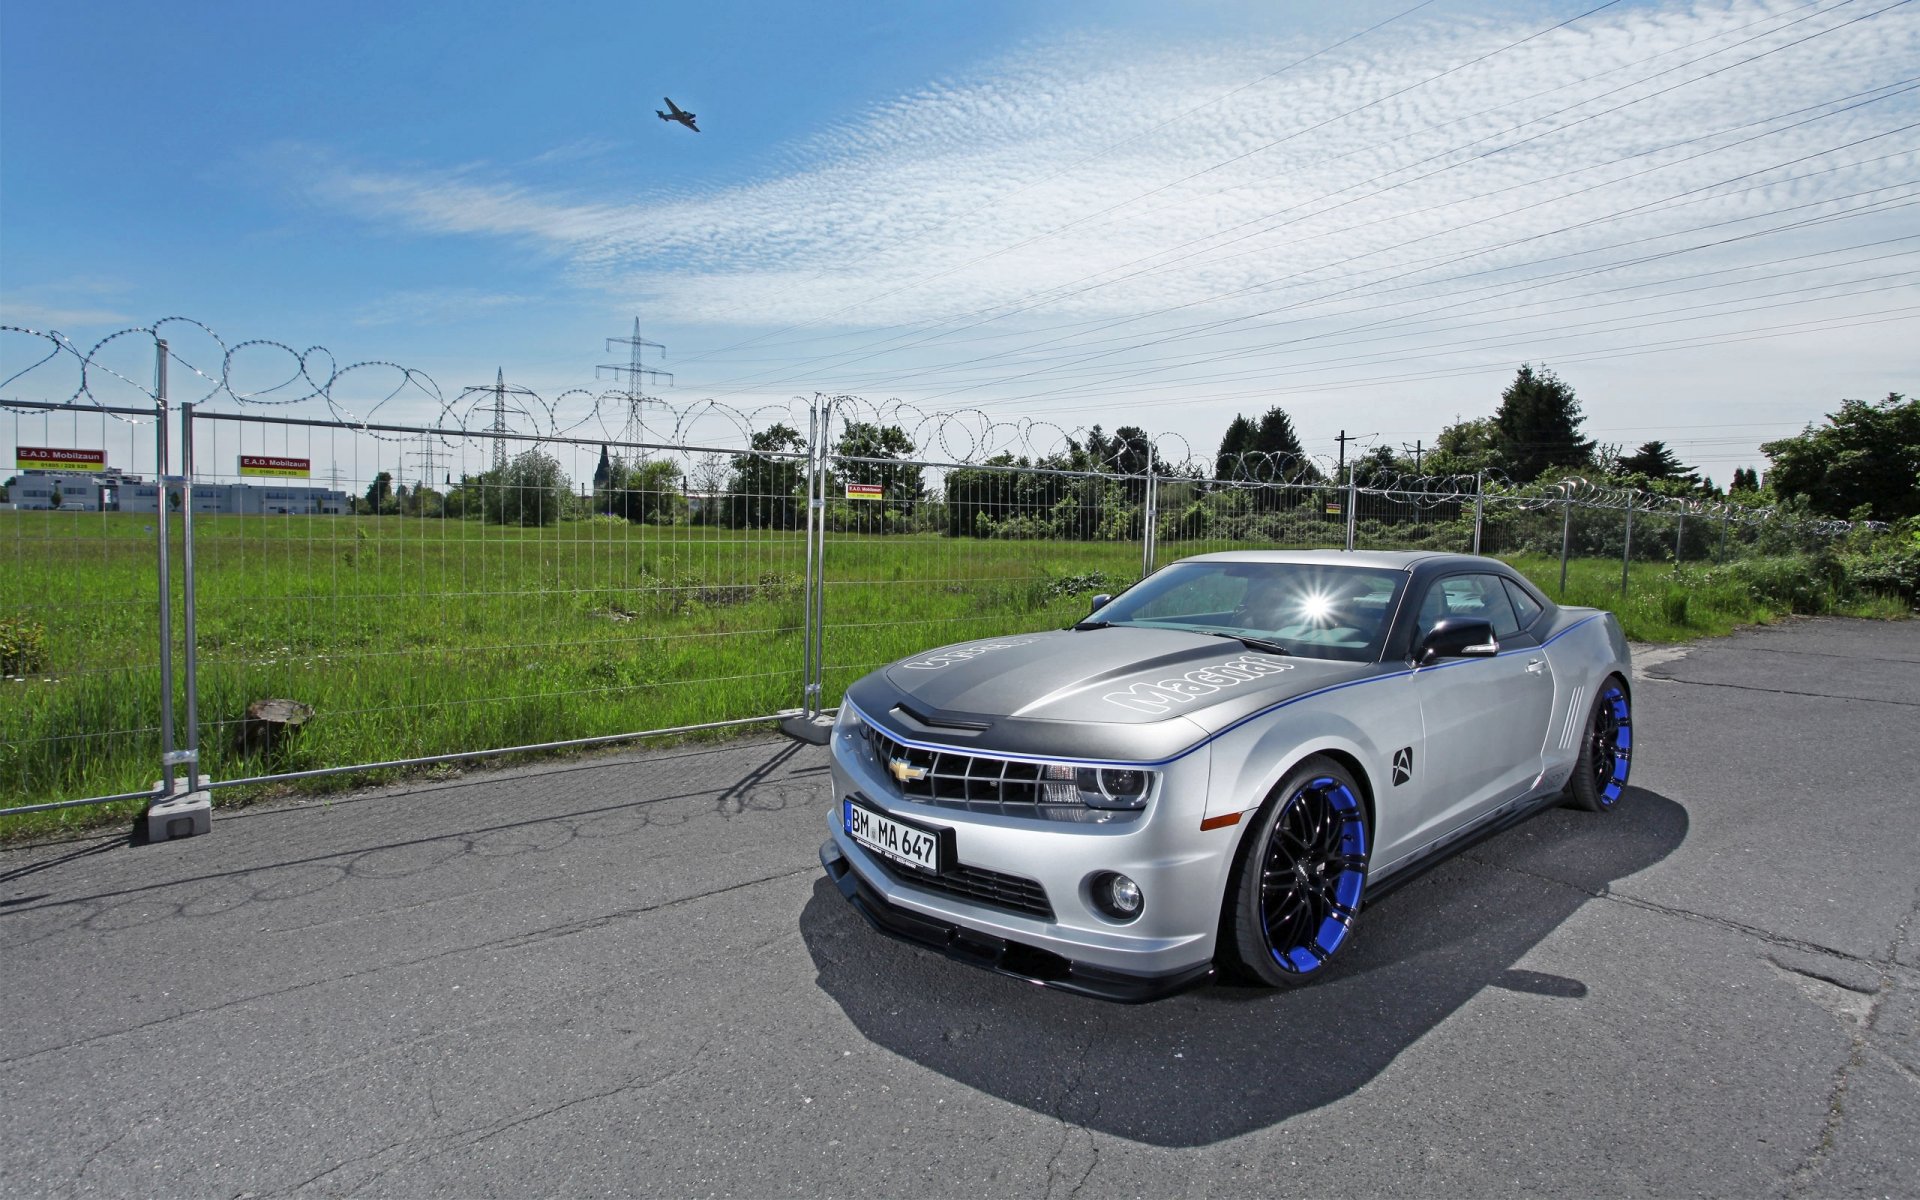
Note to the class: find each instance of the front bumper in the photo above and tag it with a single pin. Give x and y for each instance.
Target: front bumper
(1021, 961)
(1019, 901)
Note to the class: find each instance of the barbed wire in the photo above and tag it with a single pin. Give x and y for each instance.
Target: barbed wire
(261, 372)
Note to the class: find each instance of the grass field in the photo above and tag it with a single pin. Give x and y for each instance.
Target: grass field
(416, 637)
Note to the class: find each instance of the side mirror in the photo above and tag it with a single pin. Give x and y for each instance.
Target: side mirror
(1457, 637)
(1099, 602)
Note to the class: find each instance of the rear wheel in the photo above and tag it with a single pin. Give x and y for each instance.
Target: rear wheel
(1302, 869)
(1606, 750)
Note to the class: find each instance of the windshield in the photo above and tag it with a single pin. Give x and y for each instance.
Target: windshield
(1312, 609)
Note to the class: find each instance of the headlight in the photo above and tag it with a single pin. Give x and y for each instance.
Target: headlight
(1096, 787)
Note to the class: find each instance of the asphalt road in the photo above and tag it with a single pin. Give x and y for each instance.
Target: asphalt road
(628, 976)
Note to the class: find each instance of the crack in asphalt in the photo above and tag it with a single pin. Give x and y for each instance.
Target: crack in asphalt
(1747, 687)
(311, 860)
(1814, 654)
(510, 942)
(1802, 1178)
(1069, 1126)
(461, 1139)
(1672, 910)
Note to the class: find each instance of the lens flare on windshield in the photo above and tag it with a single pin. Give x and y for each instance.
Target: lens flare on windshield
(1316, 607)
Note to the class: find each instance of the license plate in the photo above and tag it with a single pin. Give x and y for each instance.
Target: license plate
(897, 840)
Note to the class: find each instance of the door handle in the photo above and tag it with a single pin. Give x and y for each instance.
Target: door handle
(1536, 665)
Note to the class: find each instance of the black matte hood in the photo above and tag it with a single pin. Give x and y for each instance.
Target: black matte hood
(1123, 693)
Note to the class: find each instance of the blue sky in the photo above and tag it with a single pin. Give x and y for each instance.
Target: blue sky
(1159, 214)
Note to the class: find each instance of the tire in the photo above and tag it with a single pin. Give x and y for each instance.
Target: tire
(1606, 750)
(1296, 889)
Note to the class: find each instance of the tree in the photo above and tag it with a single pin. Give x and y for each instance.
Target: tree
(1745, 479)
(380, 493)
(1234, 446)
(1464, 447)
(1276, 436)
(648, 490)
(1538, 425)
(422, 501)
(764, 492)
(530, 490)
(1658, 463)
(1379, 467)
(1867, 454)
(879, 447)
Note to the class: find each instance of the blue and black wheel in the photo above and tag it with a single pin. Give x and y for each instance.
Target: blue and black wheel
(1606, 750)
(1302, 869)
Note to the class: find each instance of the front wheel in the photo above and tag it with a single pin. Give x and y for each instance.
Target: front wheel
(1606, 750)
(1302, 868)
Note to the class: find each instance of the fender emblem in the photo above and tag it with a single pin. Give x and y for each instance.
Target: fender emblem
(1402, 765)
(905, 771)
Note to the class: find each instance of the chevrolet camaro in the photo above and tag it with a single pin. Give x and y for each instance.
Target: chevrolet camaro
(1219, 767)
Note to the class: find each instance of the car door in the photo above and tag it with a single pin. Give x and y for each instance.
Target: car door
(1484, 720)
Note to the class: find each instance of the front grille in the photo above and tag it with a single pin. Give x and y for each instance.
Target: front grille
(992, 888)
(980, 783)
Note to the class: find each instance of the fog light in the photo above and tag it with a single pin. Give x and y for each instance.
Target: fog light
(1117, 896)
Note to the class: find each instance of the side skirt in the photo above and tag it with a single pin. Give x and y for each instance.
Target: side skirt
(1428, 857)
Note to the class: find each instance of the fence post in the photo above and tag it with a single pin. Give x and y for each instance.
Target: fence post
(1353, 508)
(815, 686)
(807, 629)
(183, 809)
(164, 465)
(1149, 518)
(190, 658)
(1566, 538)
(1626, 554)
(1479, 505)
(1725, 521)
(1679, 535)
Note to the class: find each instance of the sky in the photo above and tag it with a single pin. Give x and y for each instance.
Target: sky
(1704, 217)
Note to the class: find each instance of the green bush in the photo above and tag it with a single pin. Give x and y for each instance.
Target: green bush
(23, 646)
(1889, 568)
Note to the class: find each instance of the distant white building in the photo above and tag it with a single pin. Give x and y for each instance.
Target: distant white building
(111, 491)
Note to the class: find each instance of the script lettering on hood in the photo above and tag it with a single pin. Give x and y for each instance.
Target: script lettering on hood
(1161, 696)
(960, 654)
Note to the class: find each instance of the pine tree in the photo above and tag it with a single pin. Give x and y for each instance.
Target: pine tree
(1276, 435)
(1233, 447)
(1657, 461)
(1538, 425)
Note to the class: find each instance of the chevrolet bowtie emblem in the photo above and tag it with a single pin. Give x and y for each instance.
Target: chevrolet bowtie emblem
(905, 771)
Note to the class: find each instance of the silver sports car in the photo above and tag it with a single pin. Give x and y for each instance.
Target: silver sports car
(1220, 766)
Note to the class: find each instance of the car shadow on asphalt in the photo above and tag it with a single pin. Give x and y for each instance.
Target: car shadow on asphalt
(1224, 1061)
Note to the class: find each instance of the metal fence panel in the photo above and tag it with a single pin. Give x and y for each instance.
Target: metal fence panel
(1207, 516)
(433, 592)
(919, 554)
(84, 702)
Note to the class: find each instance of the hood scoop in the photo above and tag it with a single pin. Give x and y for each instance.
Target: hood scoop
(922, 723)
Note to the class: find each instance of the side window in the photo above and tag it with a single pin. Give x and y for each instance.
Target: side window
(1480, 596)
(1525, 607)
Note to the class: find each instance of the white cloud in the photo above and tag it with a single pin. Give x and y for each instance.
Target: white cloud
(1090, 188)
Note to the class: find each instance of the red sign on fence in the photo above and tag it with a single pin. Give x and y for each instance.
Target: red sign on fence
(866, 491)
(54, 458)
(269, 464)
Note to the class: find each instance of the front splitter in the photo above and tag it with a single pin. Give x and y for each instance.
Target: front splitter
(1001, 955)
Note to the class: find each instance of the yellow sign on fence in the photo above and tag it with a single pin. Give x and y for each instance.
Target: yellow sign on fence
(268, 464)
(55, 458)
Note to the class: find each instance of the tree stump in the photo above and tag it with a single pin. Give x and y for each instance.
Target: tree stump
(271, 724)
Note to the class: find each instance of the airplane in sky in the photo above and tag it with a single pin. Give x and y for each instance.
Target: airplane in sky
(678, 114)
